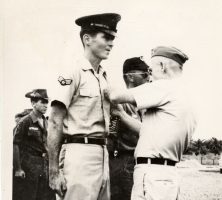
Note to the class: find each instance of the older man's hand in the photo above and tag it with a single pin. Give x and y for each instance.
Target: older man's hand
(117, 110)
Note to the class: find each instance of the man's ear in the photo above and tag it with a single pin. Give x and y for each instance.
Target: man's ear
(33, 103)
(86, 39)
(163, 67)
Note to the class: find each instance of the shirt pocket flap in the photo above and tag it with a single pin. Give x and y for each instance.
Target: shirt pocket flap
(34, 131)
(88, 93)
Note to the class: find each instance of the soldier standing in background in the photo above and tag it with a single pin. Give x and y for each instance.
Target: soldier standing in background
(30, 151)
(123, 139)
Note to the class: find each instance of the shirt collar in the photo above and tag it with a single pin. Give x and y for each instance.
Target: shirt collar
(85, 65)
(34, 117)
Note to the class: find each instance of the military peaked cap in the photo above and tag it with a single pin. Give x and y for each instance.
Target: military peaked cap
(105, 22)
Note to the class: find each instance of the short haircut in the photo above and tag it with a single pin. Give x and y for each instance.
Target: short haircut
(91, 32)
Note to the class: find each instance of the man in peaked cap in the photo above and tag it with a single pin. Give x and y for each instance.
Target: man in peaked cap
(30, 151)
(123, 138)
(167, 126)
(79, 119)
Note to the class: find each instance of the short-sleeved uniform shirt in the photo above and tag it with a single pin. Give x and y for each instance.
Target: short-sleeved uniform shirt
(169, 120)
(88, 111)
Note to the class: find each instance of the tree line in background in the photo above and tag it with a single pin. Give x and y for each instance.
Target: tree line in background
(203, 147)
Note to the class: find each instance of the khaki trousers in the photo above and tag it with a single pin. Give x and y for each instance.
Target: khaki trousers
(85, 168)
(155, 182)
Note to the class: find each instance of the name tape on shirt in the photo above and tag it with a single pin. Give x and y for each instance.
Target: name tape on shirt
(33, 128)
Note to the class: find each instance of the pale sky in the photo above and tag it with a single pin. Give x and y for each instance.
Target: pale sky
(40, 38)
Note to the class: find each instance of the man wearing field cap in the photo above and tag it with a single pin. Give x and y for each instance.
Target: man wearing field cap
(80, 116)
(124, 134)
(30, 151)
(167, 125)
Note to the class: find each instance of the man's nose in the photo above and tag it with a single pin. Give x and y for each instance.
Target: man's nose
(110, 43)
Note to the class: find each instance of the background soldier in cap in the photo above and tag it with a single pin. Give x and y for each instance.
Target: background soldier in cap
(122, 143)
(80, 114)
(167, 126)
(30, 150)
(17, 190)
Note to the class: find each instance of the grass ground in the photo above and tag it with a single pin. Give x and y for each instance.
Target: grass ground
(200, 182)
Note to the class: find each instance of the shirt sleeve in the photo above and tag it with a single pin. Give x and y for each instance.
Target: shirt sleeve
(66, 86)
(150, 95)
(20, 132)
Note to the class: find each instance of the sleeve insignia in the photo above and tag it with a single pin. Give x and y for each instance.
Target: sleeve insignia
(64, 81)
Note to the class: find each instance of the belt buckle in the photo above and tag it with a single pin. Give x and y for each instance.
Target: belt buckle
(86, 140)
(106, 141)
(149, 161)
(43, 155)
(115, 153)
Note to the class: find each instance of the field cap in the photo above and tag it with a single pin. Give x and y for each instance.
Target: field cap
(38, 93)
(170, 52)
(105, 22)
(135, 63)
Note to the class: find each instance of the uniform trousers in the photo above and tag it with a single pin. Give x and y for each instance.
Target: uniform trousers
(35, 185)
(121, 175)
(86, 171)
(155, 182)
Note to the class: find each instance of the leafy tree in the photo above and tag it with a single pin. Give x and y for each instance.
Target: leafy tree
(199, 148)
(215, 146)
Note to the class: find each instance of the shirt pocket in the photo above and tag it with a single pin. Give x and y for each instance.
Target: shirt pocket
(87, 103)
(88, 93)
(34, 132)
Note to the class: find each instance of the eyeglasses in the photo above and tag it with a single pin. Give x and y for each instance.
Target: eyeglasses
(139, 73)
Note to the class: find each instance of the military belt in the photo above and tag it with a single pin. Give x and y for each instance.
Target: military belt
(86, 140)
(35, 152)
(157, 161)
(118, 153)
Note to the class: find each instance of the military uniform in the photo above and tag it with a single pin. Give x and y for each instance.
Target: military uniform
(167, 127)
(121, 148)
(30, 136)
(84, 156)
(122, 140)
(16, 188)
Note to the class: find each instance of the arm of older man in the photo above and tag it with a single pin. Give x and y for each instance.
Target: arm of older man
(118, 96)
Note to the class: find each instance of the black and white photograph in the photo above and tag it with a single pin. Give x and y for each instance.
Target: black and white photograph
(111, 100)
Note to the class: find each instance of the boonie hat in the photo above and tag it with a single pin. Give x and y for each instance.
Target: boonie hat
(38, 93)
